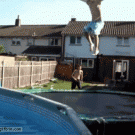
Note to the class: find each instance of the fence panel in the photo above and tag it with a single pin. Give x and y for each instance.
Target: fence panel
(25, 81)
(26, 73)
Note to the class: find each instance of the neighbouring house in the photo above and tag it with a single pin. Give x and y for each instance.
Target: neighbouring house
(7, 60)
(38, 42)
(117, 50)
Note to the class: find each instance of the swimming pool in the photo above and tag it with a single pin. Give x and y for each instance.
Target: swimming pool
(23, 113)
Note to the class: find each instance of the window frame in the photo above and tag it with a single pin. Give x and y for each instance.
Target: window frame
(15, 43)
(126, 38)
(52, 41)
(88, 63)
(79, 39)
(122, 68)
(118, 40)
(123, 44)
(76, 40)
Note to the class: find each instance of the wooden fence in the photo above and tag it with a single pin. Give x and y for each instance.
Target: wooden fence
(26, 73)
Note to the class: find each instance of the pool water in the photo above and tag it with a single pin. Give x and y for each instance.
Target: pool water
(24, 114)
(26, 118)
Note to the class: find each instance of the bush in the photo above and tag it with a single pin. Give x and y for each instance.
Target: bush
(2, 49)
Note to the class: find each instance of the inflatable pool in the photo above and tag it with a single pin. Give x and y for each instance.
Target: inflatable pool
(22, 113)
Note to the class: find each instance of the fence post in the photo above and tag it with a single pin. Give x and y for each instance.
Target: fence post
(3, 73)
(49, 70)
(41, 71)
(31, 73)
(19, 75)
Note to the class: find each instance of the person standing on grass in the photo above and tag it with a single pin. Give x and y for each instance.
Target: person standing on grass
(77, 77)
(92, 30)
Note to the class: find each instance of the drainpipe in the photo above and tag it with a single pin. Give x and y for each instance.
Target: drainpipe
(63, 47)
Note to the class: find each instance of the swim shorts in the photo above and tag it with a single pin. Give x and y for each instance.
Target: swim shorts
(94, 27)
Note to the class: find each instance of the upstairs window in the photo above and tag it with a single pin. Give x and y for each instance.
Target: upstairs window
(119, 39)
(13, 42)
(16, 43)
(72, 40)
(56, 41)
(126, 41)
(75, 40)
(53, 41)
(123, 42)
(78, 39)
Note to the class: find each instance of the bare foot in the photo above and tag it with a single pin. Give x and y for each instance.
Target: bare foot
(96, 52)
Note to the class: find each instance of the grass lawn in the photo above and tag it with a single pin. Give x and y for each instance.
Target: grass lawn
(57, 84)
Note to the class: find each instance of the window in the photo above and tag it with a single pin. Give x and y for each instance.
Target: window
(16, 43)
(126, 41)
(123, 42)
(13, 42)
(119, 40)
(75, 40)
(56, 41)
(78, 39)
(120, 68)
(72, 40)
(53, 42)
(87, 63)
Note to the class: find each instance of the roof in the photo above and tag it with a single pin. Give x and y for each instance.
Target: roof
(111, 28)
(29, 30)
(43, 50)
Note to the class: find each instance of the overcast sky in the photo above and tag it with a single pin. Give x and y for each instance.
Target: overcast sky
(61, 11)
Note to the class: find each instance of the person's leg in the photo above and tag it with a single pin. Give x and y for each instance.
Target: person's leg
(79, 84)
(96, 44)
(89, 38)
(73, 84)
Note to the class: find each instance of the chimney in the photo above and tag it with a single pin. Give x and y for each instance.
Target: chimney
(18, 22)
(73, 19)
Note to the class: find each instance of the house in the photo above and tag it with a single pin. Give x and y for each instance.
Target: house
(38, 42)
(117, 50)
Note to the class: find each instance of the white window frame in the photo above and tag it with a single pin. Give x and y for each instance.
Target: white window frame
(119, 40)
(123, 43)
(122, 70)
(76, 40)
(15, 44)
(126, 40)
(88, 63)
(54, 43)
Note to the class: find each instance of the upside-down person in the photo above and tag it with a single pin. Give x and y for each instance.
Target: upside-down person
(93, 29)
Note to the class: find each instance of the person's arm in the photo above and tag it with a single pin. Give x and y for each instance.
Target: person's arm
(73, 75)
(81, 76)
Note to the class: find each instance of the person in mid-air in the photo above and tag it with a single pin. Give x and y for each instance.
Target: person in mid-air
(93, 29)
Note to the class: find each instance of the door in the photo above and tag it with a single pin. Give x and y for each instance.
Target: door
(120, 68)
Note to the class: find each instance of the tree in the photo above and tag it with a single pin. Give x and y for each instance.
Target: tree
(2, 49)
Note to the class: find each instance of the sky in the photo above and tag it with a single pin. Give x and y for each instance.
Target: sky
(40, 12)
